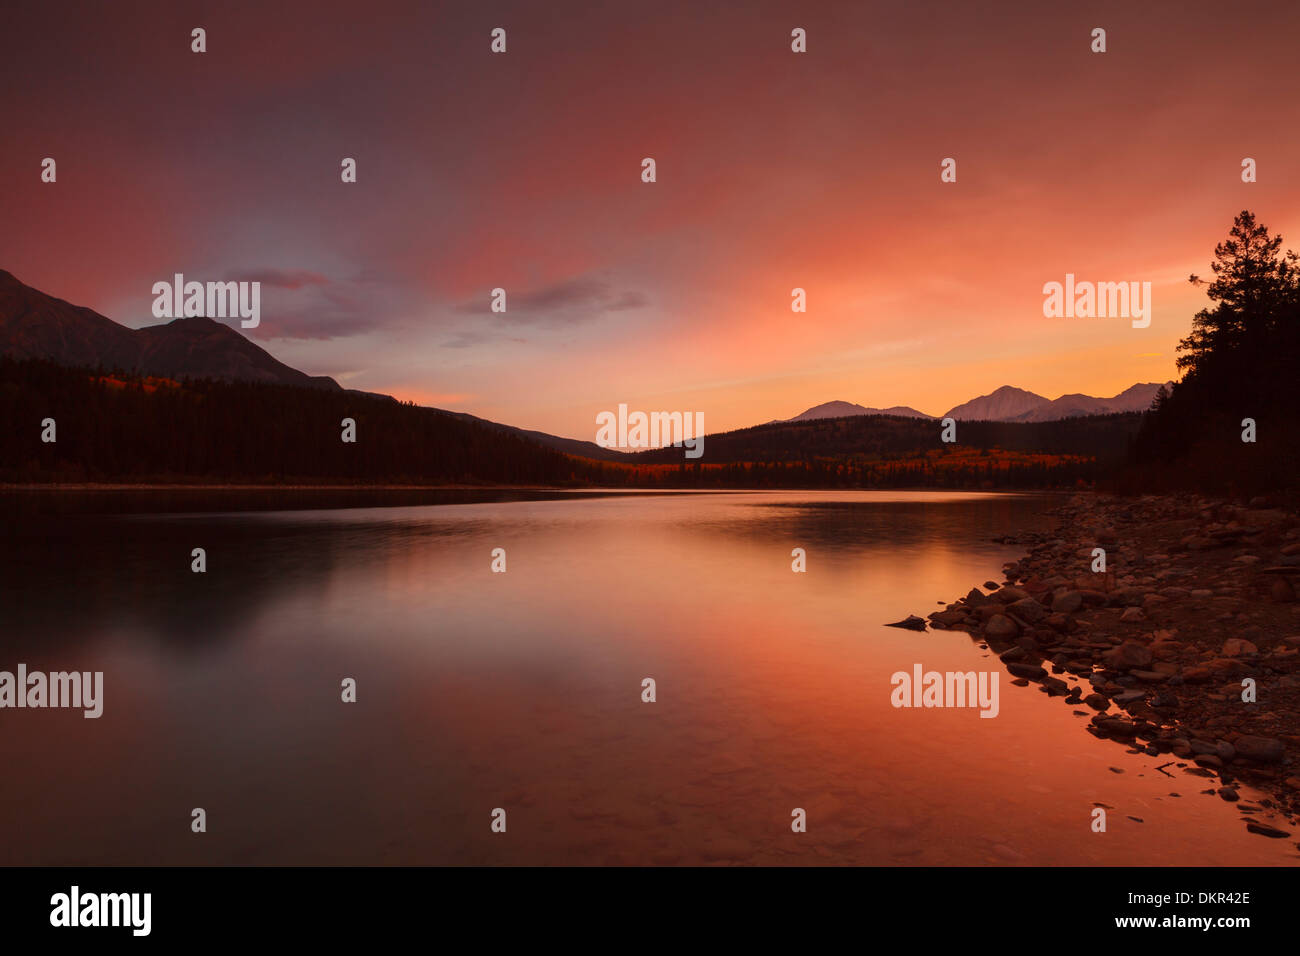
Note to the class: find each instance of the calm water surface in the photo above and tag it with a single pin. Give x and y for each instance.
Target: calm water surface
(523, 691)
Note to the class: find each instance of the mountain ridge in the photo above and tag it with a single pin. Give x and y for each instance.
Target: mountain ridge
(1004, 404)
(34, 324)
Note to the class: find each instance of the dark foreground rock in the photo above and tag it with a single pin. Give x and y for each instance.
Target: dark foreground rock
(911, 622)
(1185, 644)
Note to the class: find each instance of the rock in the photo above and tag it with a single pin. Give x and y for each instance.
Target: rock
(1282, 591)
(1263, 829)
(1129, 655)
(1067, 603)
(1115, 727)
(1151, 677)
(1058, 622)
(1262, 519)
(1224, 667)
(1028, 610)
(1055, 687)
(1227, 793)
(1097, 701)
(1236, 646)
(999, 625)
(1261, 749)
(911, 622)
(1011, 594)
(1027, 671)
(1132, 614)
(1127, 597)
(946, 618)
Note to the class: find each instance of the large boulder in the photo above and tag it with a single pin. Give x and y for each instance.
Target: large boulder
(1261, 749)
(1026, 670)
(1067, 602)
(1027, 610)
(1128, 656)
(999, 625)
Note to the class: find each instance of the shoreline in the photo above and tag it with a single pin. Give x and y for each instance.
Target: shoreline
(78, 487)
(1186, 646)
(232, 486)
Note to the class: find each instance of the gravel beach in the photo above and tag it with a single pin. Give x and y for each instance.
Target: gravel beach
(1184, 643)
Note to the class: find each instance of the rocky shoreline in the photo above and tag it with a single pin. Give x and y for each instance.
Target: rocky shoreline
(1195, 609)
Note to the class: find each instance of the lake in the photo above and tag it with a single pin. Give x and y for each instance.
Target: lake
(522, 690)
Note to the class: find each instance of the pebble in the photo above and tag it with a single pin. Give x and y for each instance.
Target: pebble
(1263, 829)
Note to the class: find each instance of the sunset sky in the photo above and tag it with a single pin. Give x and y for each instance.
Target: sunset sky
(775, 170)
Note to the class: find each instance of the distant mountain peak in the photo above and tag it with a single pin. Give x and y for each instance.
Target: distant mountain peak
(36, 325)
(1006, 403)
(842, 409)
(1011, 404)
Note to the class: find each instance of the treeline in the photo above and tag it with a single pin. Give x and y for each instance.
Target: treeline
(115, 427)
(965, 469)
(1103, 437)
(1239, 382)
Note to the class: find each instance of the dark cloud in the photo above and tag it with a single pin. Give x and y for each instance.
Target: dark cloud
(563, 303)
(298, 304)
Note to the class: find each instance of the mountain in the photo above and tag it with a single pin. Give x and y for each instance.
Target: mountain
(888, 439)
(570, 446)
(1004, 405)
(39, 326)
(845, 409)
(1009, 404)
(36, 325)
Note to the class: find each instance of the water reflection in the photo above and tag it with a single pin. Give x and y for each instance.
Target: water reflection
(522, 690)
